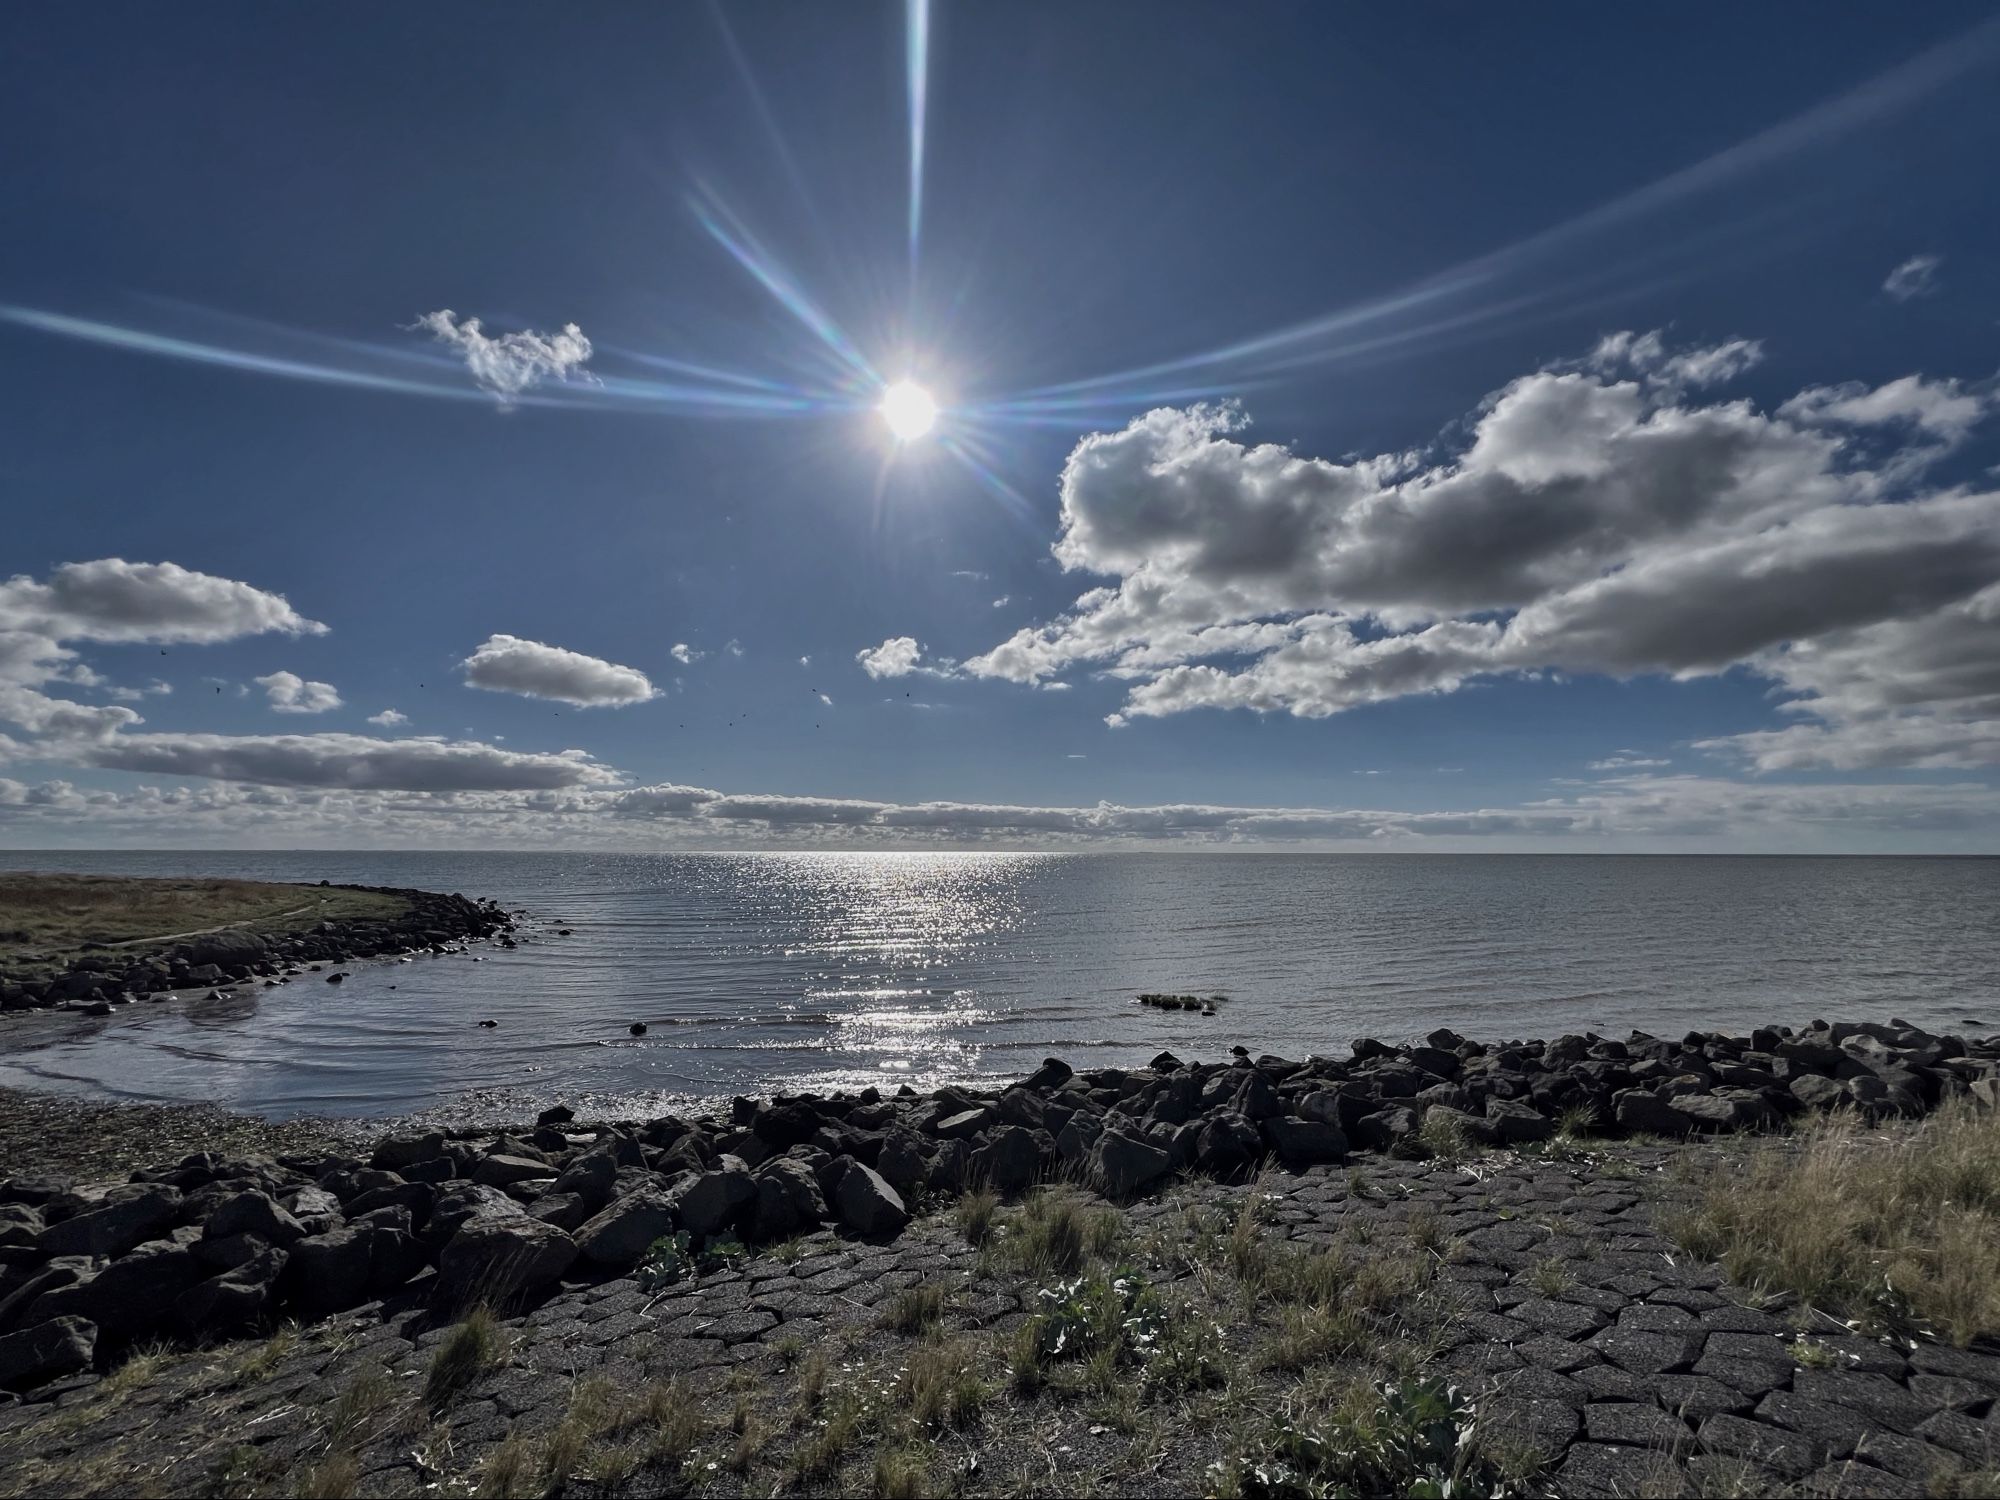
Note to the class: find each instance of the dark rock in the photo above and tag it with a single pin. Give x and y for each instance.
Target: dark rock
(713, 1201)
(1304, 1143)
(253, 1213)
(130, 1296)
(1122, 1164)
(619, 1237)
(1227, 1144)
(501, 1171)
(788, 1200)
(60, 1346)
(459, 1203)
(867, 1204)
(236, 1300)
(502, 1260)
(1647, 1113)
(127, 1216)
(329, 1273)
(1010, 1159)
(564, 1210)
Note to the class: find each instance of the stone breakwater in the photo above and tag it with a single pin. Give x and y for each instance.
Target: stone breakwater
(211, 1248)
(96, 982)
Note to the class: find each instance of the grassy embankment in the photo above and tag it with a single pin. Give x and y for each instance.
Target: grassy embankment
(46, 920)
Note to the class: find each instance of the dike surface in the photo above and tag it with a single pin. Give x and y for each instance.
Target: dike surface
(838, 1294)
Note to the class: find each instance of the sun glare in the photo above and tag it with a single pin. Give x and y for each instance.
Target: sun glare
(909, 410)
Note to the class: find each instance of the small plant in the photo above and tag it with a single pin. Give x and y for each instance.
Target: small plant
(902, 1473)
(1443, 1137)
(1550, 1277)
(1094, 1314)
(471, 1349)
(1417, 1439)
(1426, 1231)
(1577, 1122)
(674, 1257)
(914, 1309)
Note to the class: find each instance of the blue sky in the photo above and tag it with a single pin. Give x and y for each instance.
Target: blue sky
(1484, 429)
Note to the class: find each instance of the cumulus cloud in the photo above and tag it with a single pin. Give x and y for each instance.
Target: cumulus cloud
(290, 693)
(388, 718)
(115, 600)
(896, 657)
(514, 363)
(1915, 277)
(509, 664)
(1596, 519)
(687, 656)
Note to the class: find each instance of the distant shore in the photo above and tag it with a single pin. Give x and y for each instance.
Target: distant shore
(88, 944)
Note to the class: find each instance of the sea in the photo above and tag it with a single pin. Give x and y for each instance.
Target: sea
(780, 972)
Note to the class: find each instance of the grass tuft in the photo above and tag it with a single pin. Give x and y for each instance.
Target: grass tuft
(940, 1385)
(914, 1309)
(475, 1346)
(975, 1213)
(1058, 1231)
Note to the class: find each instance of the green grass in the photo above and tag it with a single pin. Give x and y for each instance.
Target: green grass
(940, 1385)
(1892, 1229)
(975, 1213)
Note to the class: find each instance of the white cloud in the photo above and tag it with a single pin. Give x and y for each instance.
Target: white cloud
(805, 661)
(685, 654)
(508, 664)
(290, 693)
(1002, 601)
(115, 600)
(734, 648)
(514, 363)
(1627, 762)
(1915, 277)
(350, 761)
(896, 657)
(1589, 523)
(824, 699)
(388, 718)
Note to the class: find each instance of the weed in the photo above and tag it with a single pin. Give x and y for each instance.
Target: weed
(505, 1472)
(1550, 1278)
(902, 1472)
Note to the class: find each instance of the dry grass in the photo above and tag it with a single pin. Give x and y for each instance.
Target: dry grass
(940, 1385)
(332, 1478)
(975, 1213)
(1888, 1228)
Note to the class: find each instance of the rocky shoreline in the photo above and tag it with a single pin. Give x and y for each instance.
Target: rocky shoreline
(97, 982)
(215, 1245)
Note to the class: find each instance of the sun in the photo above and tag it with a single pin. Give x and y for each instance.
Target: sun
(909, 410)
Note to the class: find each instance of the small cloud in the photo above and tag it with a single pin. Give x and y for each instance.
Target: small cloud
(509, 664)
(1001, 602)
(972, 573)
(805, 661)
(896, 657)
(1367, 773)
(685, 654)
(513, 363)
(290, 693)
(389, 719)
(1074, 756)
(826, 700)
(735, 647)
(159, 688)
(1915, 277)
(1626, 761)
